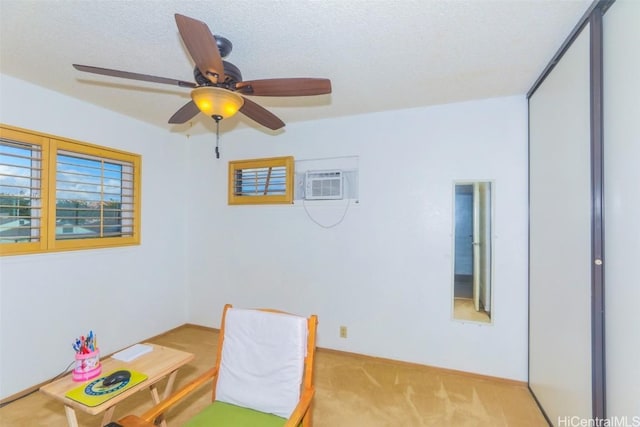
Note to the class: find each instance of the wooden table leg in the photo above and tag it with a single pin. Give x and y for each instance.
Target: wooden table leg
(156, 399)
(108, 415)
(169, 388)
(71, 416)
(160, 420)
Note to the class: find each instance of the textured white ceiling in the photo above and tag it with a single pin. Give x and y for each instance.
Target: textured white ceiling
(379, 55)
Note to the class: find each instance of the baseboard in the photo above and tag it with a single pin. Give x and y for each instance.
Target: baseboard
(26, 392)
(393, 361)
(36, 387)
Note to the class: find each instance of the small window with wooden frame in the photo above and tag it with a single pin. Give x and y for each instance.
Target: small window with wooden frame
(261, 181)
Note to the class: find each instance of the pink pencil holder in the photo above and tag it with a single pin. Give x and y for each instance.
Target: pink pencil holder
(87, 366)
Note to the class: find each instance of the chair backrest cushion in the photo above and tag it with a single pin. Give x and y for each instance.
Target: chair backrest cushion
(262, 360)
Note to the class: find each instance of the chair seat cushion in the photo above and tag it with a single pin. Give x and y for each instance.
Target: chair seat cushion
(221, 414)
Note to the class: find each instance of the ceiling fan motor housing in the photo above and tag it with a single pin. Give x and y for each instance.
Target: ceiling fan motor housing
(231, 72)
(224, 45)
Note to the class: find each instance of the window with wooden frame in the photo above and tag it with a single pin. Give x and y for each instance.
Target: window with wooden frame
(261, 181)
(58, 194)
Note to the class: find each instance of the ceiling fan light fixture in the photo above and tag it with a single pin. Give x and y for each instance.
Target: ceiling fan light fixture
(214, 101)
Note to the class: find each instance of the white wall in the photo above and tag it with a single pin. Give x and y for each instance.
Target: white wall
(123, 294)
(386, 271)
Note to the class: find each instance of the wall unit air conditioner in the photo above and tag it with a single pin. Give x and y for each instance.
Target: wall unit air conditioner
(323, 185)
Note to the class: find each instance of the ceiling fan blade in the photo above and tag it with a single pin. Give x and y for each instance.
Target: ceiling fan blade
(184, 114)
(133, 76)
(299, 86)
(261, 115)
(202, 47)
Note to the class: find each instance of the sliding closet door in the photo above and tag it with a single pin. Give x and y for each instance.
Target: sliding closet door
(560, 347)
(622, 207)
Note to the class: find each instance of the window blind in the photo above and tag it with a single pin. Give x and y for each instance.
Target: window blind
(94, 197)
(20, 192)
(263, 181)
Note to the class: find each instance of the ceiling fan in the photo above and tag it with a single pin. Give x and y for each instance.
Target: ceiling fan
(219, 90)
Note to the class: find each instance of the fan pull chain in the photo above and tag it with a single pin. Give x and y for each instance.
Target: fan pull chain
(217, 119)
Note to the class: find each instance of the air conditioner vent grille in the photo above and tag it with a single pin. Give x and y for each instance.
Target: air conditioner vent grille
(323, 185)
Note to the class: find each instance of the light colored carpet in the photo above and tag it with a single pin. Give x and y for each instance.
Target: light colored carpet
(352, 391)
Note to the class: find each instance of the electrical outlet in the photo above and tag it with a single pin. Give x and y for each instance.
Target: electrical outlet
(343, 331)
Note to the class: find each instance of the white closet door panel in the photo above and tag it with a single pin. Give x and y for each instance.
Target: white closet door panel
(622, 207)
(560, 242)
